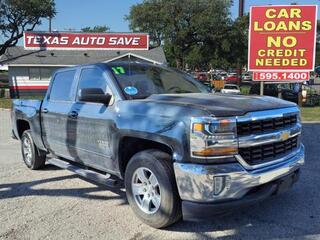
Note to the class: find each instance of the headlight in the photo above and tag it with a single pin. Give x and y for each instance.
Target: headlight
(212, 137)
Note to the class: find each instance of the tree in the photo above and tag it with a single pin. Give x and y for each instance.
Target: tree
(192, 31)
(17, 16)
(318, 44)
(148, 17)
(238, 38)
(98, 29)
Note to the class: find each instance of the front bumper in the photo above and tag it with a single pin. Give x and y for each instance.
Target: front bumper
(194, 211)
(213, 184)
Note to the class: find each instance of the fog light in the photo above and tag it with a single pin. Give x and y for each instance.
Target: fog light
(219, 184)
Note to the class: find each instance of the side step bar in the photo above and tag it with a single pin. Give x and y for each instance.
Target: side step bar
(104, 179)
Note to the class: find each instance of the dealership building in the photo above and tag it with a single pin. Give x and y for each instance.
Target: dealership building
(30, 70)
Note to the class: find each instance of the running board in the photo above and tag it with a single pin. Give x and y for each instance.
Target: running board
(104, 179)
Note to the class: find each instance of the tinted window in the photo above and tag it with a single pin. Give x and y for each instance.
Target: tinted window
(62, 86)
(230, 87)
(92, 78)
(141, 80)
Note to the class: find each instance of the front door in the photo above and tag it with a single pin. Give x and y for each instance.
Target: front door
(94, 126)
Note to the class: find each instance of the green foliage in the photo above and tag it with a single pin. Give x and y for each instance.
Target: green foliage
(310, 113)
(148, 17)
(318, 44)
(5, 103)
(17, 16)
(318, 55)
(245, 89)
(96, 29)
(194, 32)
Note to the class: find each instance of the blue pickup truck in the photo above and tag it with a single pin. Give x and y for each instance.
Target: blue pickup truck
(181, 151)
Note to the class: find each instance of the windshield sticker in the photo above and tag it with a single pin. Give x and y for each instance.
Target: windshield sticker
(130, 90)
(118, 70)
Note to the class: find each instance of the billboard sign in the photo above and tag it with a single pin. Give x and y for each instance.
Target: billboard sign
(282, 39)
(81, 41)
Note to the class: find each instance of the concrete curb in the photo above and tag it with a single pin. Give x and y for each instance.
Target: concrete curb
(5, 109)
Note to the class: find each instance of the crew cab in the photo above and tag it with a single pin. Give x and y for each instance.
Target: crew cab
(180, 150)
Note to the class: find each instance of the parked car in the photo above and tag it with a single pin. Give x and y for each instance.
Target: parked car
(232, 77)
(231, 88)
(247, 77)
(180, 151)
(272, 90)
(201, 76)
(222, 75)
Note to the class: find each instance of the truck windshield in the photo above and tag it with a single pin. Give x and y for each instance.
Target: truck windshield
(139, 81)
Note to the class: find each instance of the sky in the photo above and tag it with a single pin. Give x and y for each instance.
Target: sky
(72, 15)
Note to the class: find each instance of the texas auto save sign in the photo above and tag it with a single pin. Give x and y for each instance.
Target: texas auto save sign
(78, 41)
(282, 42)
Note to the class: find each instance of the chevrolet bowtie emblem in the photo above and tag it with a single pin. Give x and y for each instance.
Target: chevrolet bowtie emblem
(284, 136)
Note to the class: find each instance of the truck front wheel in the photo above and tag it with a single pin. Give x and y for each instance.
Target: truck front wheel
(32, 156)
(151, 188)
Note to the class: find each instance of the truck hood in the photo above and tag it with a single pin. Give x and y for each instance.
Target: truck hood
(221, 105)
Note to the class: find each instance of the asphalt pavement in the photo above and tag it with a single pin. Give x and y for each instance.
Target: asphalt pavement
(56, 204)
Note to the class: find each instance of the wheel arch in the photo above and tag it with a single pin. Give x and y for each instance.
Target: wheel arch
(133, 145)
(22, 125)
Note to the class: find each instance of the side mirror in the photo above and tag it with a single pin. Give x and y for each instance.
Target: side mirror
(95, 95)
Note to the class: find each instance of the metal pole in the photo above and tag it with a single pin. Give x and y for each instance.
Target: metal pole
(239, 66)
(49, 24)
(241, 7)
(261, 88)
(300, 95)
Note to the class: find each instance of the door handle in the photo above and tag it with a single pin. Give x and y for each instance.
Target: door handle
(73, 114)
(45, 110)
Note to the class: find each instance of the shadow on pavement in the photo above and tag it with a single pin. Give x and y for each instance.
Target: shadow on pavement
(13, 190)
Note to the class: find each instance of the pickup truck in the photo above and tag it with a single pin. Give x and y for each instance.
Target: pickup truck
(179, 150)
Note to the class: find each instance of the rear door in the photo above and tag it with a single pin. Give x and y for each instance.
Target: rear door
(56, 108)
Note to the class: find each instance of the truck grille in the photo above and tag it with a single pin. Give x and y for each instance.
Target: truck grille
(265, 125)
(268, 152)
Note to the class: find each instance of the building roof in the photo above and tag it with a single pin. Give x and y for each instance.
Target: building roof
(19, 56)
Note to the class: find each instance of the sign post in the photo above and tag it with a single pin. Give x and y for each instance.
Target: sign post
(282, 42)
(261, 88)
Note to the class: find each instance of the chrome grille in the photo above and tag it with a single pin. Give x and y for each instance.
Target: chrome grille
(265, 125)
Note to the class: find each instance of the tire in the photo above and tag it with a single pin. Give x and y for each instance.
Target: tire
(167, 209)
(32, 156)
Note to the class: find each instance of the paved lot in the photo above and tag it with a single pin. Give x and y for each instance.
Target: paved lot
(56, 204)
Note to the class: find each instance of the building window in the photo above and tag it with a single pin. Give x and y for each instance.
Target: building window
(40, 74)
(34, 74)
(45, 73)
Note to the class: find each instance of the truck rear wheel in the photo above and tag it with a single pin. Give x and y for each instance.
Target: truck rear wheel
(32, 156)
(151, 188)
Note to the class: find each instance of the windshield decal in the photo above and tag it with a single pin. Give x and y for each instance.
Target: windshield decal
(118, 70)
(130, 90)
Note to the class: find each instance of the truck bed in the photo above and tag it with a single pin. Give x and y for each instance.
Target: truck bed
(25, 110)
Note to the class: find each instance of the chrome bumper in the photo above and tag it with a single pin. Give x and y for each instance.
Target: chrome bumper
(210, 183)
